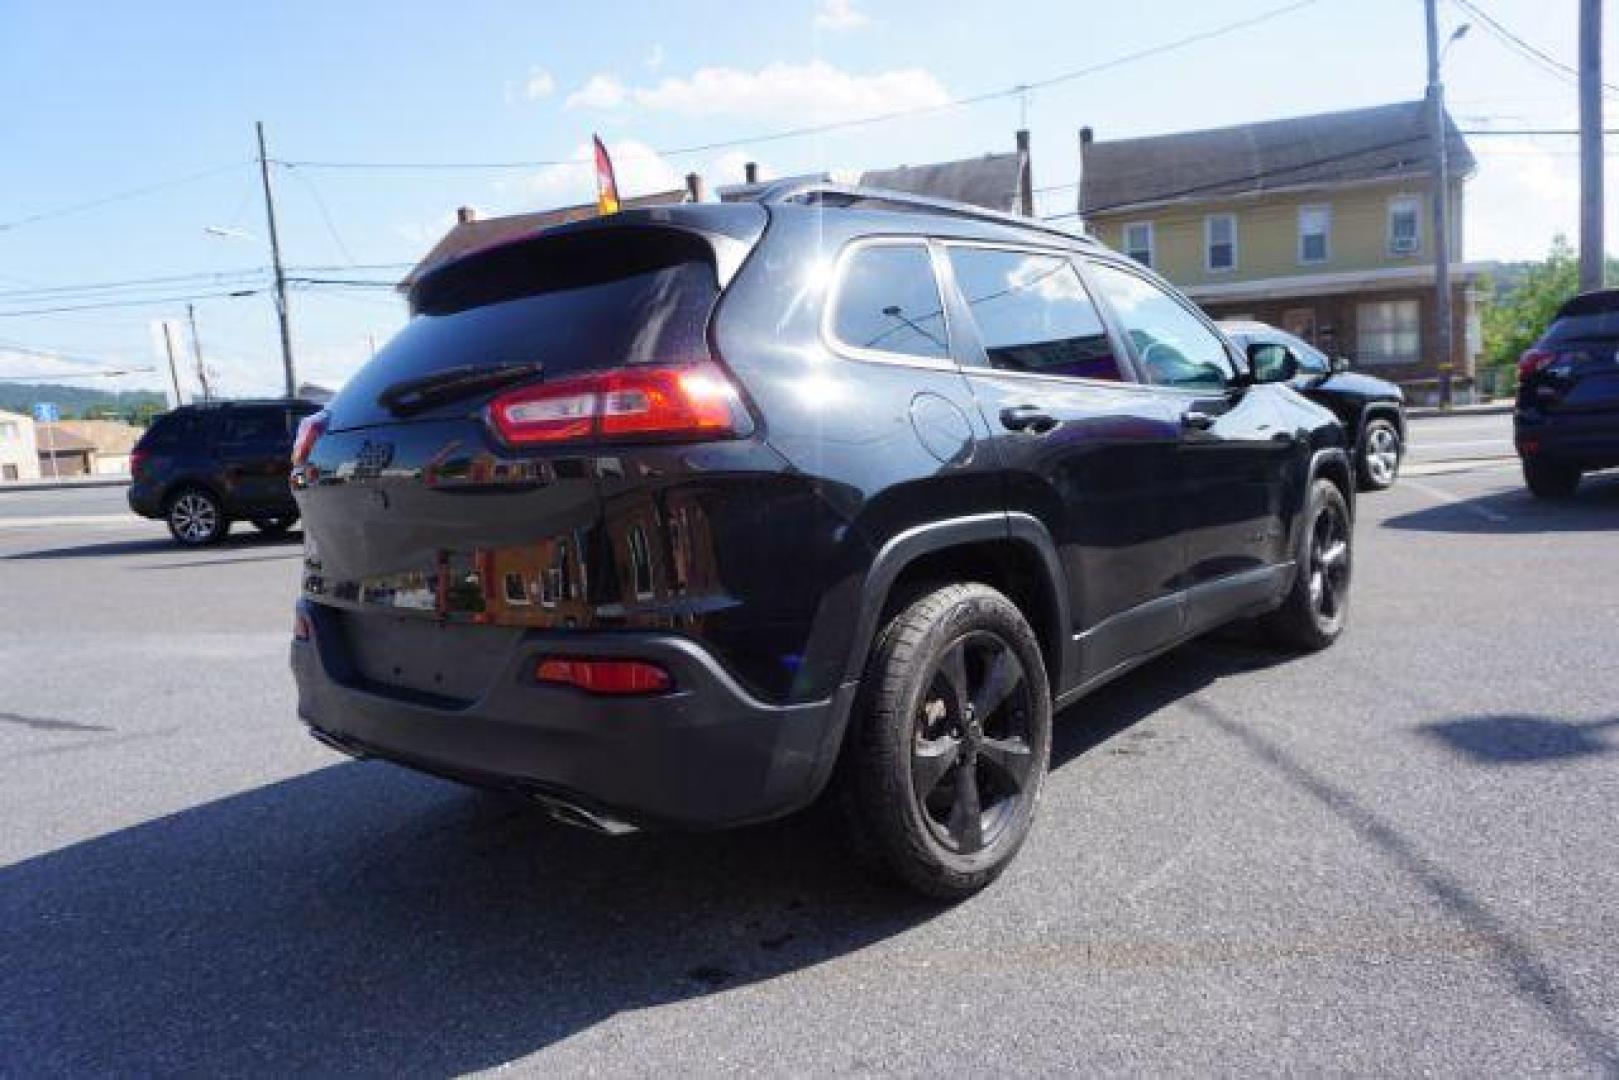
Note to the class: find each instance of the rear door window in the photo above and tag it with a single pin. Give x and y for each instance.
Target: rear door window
(887, 301)
(1033, 314)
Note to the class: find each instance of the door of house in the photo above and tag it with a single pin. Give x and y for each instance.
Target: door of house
(1300, 322)
(8, 472)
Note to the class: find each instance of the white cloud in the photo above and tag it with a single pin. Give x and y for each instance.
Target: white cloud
(839, 15)
(599, 92)
(639, 169)
(1524, 194)
(539, 84)
(816, 90)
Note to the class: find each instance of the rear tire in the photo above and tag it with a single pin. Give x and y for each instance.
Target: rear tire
(1317, 606)
(196, 518)
(949, 743)
(1548, 480)
(1380, 453)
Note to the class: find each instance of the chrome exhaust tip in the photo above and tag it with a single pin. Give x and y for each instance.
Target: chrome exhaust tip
(571, 814)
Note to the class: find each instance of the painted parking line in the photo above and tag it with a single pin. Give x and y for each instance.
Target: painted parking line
(1415, 445)
(1441, 495)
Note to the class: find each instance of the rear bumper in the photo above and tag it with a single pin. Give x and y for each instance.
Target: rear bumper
(1588, 441)
(145, 500)
(706, 755)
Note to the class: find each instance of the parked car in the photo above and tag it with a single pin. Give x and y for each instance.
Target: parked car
(1372, 409)
(1566, 421)
(685, 516)
(202, 466)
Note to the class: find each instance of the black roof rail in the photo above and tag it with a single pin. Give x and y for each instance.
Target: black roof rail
(786, 191)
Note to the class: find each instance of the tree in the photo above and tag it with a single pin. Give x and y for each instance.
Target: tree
(1516, 320)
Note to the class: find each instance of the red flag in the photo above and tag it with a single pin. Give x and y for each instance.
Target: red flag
(606, 184)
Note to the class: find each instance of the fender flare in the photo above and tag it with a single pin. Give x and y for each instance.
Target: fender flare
(904, 548)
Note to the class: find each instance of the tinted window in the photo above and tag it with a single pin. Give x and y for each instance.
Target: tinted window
(256, 426)
(888, 300)
(571, 303)
(1174, 346)
(1033, 314)
(170, 431)
(1596, 324)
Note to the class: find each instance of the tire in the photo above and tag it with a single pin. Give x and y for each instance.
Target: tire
(196, 518)
(1381, 450)
(922, 756)
(275, 526)
(1548, 480)
(1316, 607)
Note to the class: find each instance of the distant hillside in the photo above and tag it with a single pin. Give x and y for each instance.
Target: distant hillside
(75, 402)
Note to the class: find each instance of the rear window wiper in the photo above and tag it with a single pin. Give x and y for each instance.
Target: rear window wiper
(413, 395)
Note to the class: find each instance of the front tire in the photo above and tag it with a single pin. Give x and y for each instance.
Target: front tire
(1316, 608)
(1380, 452)
(1548, 480)
(950, 742)
(196, 518)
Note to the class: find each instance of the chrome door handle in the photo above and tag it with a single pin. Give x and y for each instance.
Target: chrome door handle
(1197, 420)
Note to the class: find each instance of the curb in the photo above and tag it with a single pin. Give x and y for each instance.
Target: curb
(62, 485)
(1426, 411)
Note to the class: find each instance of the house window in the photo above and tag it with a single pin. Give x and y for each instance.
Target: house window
(1388, 332)
(1405, 225)
(1220, 242)
(640, 562)
(1315, 222)
(1138, 242)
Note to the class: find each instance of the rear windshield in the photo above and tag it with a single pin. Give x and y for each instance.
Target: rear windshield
(572, 304)
(1597, 324)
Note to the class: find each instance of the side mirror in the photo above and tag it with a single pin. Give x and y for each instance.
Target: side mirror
(1271, 363)
(1340, 363)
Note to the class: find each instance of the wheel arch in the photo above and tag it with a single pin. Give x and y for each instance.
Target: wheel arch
(1011, 552)
(179, 487)
(1382, 410)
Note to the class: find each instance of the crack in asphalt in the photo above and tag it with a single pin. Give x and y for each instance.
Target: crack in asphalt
(46, 723)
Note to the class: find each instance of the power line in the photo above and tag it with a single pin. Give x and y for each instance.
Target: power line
(132, 303)
(131, 193)
(43, 292)
(842, 125)
(1523, 47)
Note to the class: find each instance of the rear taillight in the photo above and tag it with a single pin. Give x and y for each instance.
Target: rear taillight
(301, 630)
(618, 677)
(1533, 360)
(137, 458)
(310, 429)
(692, 401)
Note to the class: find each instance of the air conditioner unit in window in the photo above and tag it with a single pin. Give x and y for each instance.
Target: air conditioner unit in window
(1403, 245)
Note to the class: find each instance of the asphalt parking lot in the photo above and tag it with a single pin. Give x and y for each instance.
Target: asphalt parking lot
(1399, 856)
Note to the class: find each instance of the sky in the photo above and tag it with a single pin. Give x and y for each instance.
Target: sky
(129, 143)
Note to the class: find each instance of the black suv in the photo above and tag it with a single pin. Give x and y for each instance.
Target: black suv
(1567, 417)
(202, 466)
(1372, 410)
(686, 515)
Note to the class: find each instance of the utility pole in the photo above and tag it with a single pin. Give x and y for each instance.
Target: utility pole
(174, 372)
(280, 274)
(1592, 249)
(196, 350)
(1438, 136)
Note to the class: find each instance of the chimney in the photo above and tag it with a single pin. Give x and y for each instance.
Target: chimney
(750, 171)
(1025, 175)
(1086, 136)
(694, 187)
(465, 215)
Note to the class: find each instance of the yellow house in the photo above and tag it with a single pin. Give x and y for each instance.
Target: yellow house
(1319, 224)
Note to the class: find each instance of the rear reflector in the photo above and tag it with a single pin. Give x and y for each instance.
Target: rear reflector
(301, 630)
(692, 401)
(605, 676)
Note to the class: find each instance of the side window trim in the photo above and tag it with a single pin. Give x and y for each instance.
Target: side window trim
(975, 358)
(1129, 266)
(834, 294)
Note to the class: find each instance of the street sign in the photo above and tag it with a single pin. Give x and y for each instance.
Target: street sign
(46, 412)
